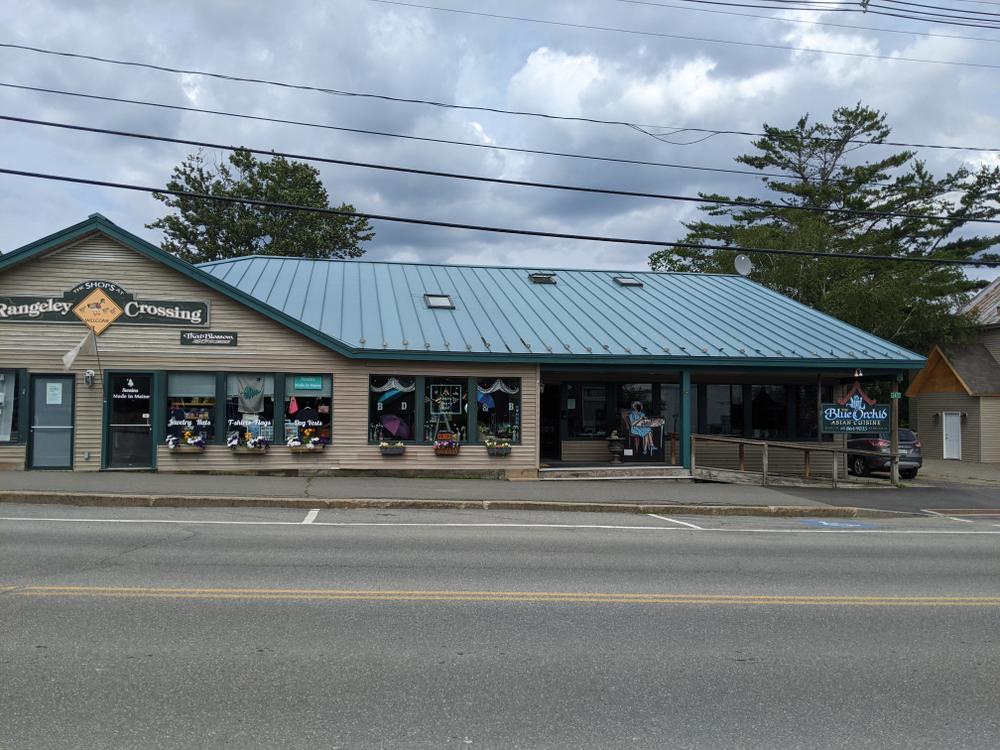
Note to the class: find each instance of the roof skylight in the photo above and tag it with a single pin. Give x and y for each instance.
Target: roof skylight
(627, 281)
(439, 301)
(542, 277)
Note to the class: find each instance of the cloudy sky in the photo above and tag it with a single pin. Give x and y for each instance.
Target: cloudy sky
(410, 52)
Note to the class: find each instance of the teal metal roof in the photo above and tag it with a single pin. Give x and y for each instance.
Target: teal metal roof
(378, 308)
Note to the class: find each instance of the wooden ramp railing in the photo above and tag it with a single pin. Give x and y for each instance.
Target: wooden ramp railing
(807, 449)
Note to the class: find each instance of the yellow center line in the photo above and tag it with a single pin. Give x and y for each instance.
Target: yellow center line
(281, 594)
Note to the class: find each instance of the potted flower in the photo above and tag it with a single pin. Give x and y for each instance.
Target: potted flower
(247, 443)
(496, 447)
(187, 443)
(446, 446)
(392, 449)
(310, 442)
(616, 446)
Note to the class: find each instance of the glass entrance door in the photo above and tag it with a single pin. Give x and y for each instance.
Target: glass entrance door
(51, 422)
(130, 431)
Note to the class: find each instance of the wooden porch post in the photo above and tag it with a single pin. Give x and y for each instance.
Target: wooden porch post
(685, 418)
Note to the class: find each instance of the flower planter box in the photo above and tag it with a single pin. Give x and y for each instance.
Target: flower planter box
(498, 451)
(187, 449)
(393, 450)
(450, 450)
(245, 449)
(306, 449)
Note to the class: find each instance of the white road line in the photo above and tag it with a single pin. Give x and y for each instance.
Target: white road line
(674, 520)
(399, 524)
(942, 515)
(310, 516)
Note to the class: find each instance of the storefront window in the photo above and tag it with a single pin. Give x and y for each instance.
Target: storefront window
(498, 408)
(805, 411)
(191, 405)
(670, 407)
(250, 405)
(8, 406)
(587, 410)
(446, 406)
(770, 412)
(391, 407)
(724, 410)
(308, 399)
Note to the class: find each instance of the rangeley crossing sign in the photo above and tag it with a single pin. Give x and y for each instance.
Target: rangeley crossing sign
(99, 304)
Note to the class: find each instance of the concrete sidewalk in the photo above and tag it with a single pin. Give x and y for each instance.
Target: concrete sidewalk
(960, 472)
(633, 496)
(334, 488)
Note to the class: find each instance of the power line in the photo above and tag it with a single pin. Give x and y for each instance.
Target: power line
(503, 181)
(493, 229)
(540, 152)
(801, 21)
(683, 37)
(403, 136)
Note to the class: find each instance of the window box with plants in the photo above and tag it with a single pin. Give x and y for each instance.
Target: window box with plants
(392, 449)
(246, 443)
(446, 447)
(497, 447)
(187, 443)
(308, 442)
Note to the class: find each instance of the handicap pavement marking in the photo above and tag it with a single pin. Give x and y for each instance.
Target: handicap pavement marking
(838, 524)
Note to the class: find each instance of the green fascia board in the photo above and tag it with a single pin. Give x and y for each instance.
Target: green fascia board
(98, 223)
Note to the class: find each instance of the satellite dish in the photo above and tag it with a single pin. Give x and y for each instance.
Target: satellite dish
(743, 265)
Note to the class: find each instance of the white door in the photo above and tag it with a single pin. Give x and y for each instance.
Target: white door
(953, 434)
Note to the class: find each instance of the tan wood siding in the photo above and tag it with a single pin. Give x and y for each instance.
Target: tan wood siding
(595, 451)
(931, 423)
(989, 417)
(11, 457)
(264, 346)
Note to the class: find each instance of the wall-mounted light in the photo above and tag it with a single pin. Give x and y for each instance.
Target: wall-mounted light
(858, 373)
(88, 378)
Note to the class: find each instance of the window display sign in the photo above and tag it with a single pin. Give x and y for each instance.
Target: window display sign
(856, 412)
(308, 382)
(99, 304)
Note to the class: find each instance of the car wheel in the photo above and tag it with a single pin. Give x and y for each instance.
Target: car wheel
(908, 473)
(858, 466)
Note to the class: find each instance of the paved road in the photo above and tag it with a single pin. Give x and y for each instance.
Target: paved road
(133, 628)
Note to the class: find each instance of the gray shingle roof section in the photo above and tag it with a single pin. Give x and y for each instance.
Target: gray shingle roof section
(976, 366)
(379, 306)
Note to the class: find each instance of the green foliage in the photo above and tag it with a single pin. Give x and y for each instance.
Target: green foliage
(203, 230)
(912, 304)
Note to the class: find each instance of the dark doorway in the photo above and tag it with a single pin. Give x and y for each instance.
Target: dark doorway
(550, 422)
(130, 431)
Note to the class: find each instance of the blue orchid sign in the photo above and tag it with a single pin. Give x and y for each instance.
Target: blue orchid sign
(855, 412)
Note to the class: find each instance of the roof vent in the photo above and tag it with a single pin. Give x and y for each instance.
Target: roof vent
(439, 301)
(542, 277)
(627, 281)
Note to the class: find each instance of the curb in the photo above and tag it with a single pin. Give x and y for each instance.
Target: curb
(224, 501)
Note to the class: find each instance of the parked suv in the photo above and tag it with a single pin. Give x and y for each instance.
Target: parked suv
(910, 459)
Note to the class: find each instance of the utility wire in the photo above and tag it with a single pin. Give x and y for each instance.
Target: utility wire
(684, 37)
(500, 180)
(492, 229)
(801, 21)
(387, 134)
(280, 121)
